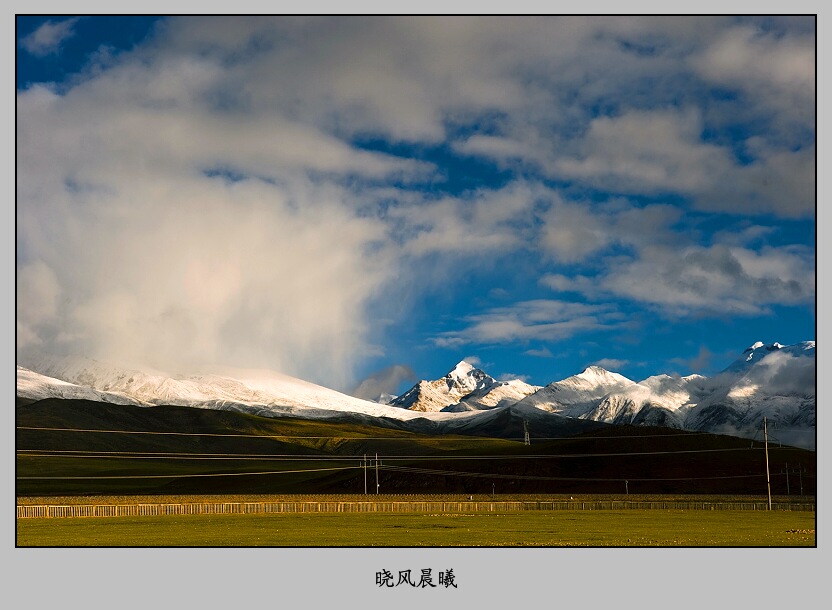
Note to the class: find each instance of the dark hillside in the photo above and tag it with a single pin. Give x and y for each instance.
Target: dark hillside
(166, 450)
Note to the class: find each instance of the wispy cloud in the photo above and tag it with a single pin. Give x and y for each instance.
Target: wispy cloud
(539, 353)
(697, 280)
(482, 221)
(611, 364)
(774, 68)
(539, 319)
(716, 279)
(48, 38)
(512, 377)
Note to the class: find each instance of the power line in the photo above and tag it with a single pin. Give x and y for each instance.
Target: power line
(302, 457)
(192, 458)
(546, 478)
(378, 466)
(409, 437)
(212, 434)
(180, 476)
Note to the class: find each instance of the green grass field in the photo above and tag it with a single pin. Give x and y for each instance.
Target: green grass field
(629, 528)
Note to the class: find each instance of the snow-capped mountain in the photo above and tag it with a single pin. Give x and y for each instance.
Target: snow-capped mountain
(499, 394)
(754, 353)
(255, 391)
(576, 395)
(774, 381)
(661, 400)
(35, 386)
(429, 396)
(464, 388)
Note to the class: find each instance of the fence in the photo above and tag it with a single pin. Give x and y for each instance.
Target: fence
(228, 508)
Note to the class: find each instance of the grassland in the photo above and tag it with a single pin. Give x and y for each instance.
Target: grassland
(627, 528)
(71, 452)
(83, 448)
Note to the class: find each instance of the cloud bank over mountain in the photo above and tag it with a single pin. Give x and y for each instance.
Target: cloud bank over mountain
(288, 192)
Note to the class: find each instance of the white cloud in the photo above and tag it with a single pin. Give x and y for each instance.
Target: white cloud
(179, 272)
(201, 197)
(47, 39)
(512, 377)
(38, 294)
(668, 271)
(715, 279)
(539, 353)
(776, 69)
(573, 231)
(662, 151)
(646, 151)
(474, 223)
(784, 373)
(546, 320)
(611, 364)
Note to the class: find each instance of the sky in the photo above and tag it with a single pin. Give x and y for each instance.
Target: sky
(365, 201)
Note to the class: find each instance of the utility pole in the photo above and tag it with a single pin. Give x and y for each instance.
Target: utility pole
(627, 487)
(376, 473)
(365, 474)
(768, 477)
(526, 440)
(800, 472)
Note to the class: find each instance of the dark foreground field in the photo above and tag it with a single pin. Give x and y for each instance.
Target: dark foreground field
(621, 528)
(82, 448)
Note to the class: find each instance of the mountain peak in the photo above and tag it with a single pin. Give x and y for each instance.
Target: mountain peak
(760, 350)
(595, 370)
(759, 344)
(751, 348)
(594, 378)
(462, 368)
(599, 374)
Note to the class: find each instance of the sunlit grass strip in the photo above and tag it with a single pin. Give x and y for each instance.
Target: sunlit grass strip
(611, 528)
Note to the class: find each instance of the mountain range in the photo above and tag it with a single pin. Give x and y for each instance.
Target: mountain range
(772, 381)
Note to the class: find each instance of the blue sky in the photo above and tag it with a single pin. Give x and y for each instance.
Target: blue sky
(344, 198)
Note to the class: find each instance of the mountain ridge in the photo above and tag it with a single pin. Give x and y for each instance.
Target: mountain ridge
(773, 381)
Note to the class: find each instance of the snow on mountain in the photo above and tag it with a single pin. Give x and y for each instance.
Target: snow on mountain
(432, 396)
(759, 350)
(577, 395)
(256, 391)
(500, 394)
(39, 387)
(773, 381)
(661, 400)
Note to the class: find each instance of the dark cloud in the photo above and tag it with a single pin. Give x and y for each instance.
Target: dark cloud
(385, 381)
(701, 362)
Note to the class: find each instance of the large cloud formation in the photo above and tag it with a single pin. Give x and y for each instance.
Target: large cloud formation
(206, 198)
